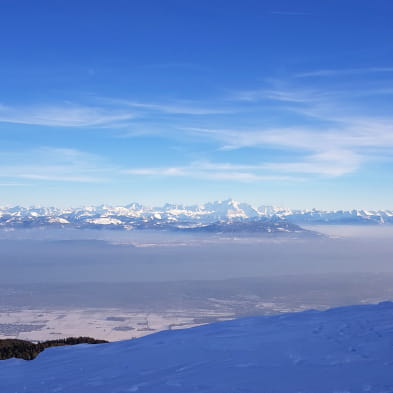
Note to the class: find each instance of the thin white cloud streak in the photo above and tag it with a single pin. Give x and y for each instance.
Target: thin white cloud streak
(282, 94)
(70, 165)
(52, 176)
(214, 171)
(302, 98)
(352, 138)
(180, 109)
(113, 114)
(172, 107)
(266, 94)
(63, 116)
(344, 72)
(339, 144)
(13, 185)
(340, 124)
(330, 163)
(54, 164)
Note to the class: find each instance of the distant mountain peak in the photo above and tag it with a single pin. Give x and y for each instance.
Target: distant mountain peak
(138, 216)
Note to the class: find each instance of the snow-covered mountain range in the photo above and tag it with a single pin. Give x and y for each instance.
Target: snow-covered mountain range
(346, 349)
(180, 217)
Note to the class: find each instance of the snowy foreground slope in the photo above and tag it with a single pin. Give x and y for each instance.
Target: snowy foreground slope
(342, 350)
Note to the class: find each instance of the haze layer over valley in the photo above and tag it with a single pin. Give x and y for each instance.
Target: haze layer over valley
(120, 284)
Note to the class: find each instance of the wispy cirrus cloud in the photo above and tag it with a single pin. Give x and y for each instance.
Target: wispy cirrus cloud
(330, 164)
(176, 107)
(111, 112)
(68, 115)
(54, 164)
(344, 72)
(329, 138)
(266, 94)
(330, 134)
(13, 184)
(180, 108)
(215, 171)
(349, 138)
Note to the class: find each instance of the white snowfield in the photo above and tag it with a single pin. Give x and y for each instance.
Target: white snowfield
(342, 350)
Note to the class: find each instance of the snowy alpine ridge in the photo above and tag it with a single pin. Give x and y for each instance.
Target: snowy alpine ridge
(179, 217)
(341, 350)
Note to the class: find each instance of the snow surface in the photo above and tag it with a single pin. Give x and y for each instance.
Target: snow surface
(342, 350)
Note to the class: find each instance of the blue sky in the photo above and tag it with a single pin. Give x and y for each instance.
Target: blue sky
(269, 102)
